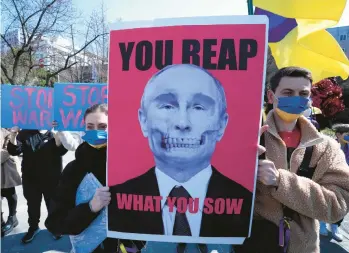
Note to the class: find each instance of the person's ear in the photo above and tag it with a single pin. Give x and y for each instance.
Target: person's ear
(143, 122)
(223, 126)
(271, 97)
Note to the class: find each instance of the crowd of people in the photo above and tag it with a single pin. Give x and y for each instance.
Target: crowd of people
(41, 168)
(302, 175)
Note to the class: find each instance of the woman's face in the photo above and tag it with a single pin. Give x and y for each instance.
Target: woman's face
(97, 121)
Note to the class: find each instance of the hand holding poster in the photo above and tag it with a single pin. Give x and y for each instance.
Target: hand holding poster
(183, 128)
(27, 107)
(89, 239)
(71, 101)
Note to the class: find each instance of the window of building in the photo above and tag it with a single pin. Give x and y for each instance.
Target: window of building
(343, 37)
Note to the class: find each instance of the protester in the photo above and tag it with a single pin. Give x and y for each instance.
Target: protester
(66, 217)
(41, 168)
(323, 227)
(310, 115)
(291, 194)
(342, 135)
(71, 141)
(10, 178)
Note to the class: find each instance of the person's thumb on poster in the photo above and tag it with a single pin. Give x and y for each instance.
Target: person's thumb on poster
(100, 200)
(54, 125)
(261, 149)
(14, 132)
(267, 172)
(55, 133)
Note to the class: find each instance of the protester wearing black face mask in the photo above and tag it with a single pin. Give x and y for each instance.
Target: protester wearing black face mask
(66, 217)
(41, 168)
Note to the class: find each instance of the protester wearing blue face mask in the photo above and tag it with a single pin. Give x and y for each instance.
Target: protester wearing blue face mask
(342, 135)
(96, 138)
(310, 115)
(68, 217)
(302, 174)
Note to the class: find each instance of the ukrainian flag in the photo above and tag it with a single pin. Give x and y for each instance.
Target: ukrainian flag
(297, 35)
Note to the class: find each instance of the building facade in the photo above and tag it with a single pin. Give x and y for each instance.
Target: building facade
(51, 54)
(341, 34)
(14, 38)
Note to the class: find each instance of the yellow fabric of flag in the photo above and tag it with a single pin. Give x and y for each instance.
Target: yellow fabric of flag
(308, 44)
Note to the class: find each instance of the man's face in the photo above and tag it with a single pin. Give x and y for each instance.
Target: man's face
(289, 87)
(182, 116)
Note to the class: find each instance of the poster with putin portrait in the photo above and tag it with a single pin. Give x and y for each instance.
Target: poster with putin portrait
(185, 98)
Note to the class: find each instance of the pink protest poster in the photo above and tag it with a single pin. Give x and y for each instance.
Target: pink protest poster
(185, 98)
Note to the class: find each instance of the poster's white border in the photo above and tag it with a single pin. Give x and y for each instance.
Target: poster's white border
(261, 116)
(178, 239)
(211, 20)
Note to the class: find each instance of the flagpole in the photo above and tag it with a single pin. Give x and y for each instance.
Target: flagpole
(250, 7)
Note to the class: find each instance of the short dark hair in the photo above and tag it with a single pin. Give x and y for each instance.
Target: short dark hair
(288, 72)
(341, 128)
(95, 108)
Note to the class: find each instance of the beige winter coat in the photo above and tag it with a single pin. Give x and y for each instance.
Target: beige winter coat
(325, 197)
(9, 165)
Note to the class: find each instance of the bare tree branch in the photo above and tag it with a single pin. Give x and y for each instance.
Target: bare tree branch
(48, 77)
(15, 64)
(31, 16)
(20, 19)
(73, 42)
(84, 55)
(39, 21)
(4, 70)
(31, 66)
(9, 45)
(10, 24)
(66, 65)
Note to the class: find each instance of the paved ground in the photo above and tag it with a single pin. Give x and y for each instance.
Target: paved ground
(45, 243)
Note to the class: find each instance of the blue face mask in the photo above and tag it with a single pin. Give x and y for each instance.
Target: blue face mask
(346, 138)
(291, 108)
(96, 138)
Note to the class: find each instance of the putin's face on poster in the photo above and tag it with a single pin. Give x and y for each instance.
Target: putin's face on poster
(183, 115)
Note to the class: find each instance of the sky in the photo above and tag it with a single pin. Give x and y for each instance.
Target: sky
(129, 10)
